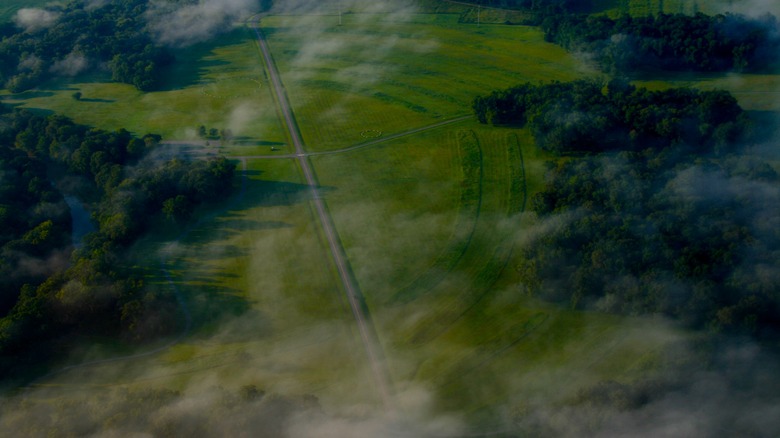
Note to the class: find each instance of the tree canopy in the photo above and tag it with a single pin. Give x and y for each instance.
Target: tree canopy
(586, 116)
(114, 34)
(94, 289)
(674, 42)
(656, 208)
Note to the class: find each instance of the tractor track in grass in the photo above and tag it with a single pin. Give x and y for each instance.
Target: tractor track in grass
(296, 155)
(472, 165)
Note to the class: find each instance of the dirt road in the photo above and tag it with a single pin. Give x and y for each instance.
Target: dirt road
(354, 295)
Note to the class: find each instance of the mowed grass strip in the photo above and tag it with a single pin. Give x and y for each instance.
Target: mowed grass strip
(392, 76)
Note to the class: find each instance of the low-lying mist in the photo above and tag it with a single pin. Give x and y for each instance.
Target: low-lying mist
(185, 23)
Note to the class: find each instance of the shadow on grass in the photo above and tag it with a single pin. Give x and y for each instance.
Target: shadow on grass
(215, 296)
(30, 94)
(83, 99)
(194, 62)
(766, 125)
(205, 293)
(249, 141)
(265, 193)
(252, 225)
(204, 301)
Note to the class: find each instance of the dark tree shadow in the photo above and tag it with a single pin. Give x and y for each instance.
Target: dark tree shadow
(97, 100)
(30, 94)
(766, 125)
(191, 64)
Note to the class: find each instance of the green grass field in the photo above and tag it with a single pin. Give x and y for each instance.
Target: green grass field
(442, 314)
(390, 76)
(217, 84)
(430, 222)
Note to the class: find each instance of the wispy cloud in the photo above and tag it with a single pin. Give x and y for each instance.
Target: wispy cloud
(73, 64)
(183, 24)
(35, 19)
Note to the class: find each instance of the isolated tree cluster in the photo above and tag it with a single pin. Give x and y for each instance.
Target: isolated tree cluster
(585, 116)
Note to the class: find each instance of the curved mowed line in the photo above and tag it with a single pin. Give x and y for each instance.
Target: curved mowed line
(487, 251)
(470, 154)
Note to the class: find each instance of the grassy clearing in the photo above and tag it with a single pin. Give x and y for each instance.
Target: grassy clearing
(495, 16)
(408, 210)
(397, 75)
(510, 350)
(396, 222)
(219, 84)
(260, 251)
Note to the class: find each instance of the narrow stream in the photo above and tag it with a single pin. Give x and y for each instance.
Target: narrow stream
(82, 223)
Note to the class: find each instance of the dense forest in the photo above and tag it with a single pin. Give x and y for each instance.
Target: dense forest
(68, 40)
(659, 210)
(584, 116)
(673, 42)
(56, 293)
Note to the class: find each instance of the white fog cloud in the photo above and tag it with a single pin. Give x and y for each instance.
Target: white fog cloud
(71, 65)
(176, 25)
(34, 19)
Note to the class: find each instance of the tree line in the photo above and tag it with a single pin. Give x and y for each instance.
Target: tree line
(673, 42)
(549, 6)
(95, 289)
(661, 212)
(114, 35)
(587, 116)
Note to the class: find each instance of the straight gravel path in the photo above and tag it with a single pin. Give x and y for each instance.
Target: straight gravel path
(354, 295)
